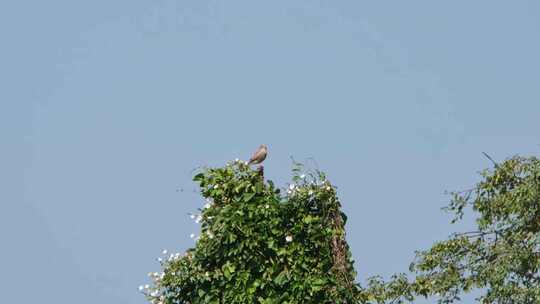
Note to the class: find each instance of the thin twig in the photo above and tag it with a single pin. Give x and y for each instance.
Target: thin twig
(491, 159)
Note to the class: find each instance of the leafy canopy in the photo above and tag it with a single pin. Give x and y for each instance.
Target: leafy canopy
(500, 259)
(258, 245)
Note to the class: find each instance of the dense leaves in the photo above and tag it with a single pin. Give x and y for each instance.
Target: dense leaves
(258, 245)
(500, 259)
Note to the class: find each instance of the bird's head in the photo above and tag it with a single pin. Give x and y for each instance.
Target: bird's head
(263, 146)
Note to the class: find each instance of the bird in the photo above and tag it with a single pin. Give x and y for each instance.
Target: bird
(259, 156)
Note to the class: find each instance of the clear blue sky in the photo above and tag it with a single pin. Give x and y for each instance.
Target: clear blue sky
(106, 107)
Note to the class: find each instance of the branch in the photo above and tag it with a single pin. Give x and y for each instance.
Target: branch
(491, 159)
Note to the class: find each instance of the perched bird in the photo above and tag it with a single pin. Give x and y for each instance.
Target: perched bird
(259, 156)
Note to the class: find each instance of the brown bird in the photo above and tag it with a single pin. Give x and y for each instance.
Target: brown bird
(259, 156)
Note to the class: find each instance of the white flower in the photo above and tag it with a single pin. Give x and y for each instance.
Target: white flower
(302, 176)
(236, 160)
(209, 203)
(160, 260)
(288, 238)
(310, 192)
(146, 286)
(164, 251)
(192, 216)
(267, 206)
(198, 219)
(291, 186)
(210, 234)
(141, 288)
(192, 236)
(154, 293)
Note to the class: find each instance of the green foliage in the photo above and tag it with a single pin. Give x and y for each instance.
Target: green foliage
(500, 259)
(258, 245)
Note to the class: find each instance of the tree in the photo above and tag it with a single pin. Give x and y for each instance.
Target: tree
(500, 259)
(258, 245)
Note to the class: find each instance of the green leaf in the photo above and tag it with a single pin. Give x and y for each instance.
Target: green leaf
(281, 278)
(248, 196)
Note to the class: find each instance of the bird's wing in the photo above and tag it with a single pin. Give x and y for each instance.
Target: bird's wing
(257, 155)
